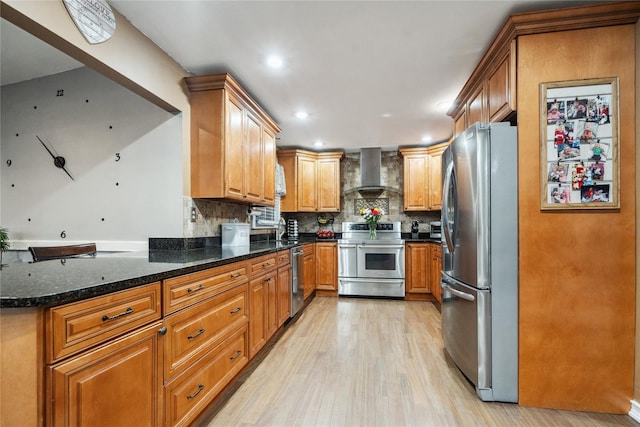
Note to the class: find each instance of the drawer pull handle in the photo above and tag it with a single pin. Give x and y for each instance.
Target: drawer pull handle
(200, 332)
(189, 290)
(115, 316)
(234, 275)
(266, 264)
(200, 388)
(235, 356)
(235, 310)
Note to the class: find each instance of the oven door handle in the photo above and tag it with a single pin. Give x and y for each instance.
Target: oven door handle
(367, 246)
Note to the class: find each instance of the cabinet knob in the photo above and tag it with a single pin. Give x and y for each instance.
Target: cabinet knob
(162, 331)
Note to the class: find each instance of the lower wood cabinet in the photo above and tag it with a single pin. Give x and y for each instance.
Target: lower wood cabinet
(436, 271)
(116, 360)
(422, 267)
(188, 394)
(283, 304)
(117, 384)
(327, 268)
(308, 269)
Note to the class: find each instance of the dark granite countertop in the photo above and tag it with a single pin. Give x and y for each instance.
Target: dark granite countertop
(55, 282)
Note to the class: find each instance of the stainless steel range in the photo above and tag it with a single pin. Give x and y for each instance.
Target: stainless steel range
(371, 267)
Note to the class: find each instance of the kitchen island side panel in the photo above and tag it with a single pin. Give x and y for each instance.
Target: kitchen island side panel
(577, 268)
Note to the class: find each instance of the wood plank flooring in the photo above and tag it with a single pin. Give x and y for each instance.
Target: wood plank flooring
(373, 362)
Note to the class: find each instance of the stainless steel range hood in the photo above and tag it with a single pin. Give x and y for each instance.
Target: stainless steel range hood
(370, 170)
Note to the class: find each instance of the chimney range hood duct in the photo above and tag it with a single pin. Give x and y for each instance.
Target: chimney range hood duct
(370, 160)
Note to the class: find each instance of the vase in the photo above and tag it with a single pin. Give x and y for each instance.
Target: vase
(372, 230)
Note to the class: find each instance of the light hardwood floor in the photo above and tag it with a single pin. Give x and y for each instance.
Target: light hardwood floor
(372, 362)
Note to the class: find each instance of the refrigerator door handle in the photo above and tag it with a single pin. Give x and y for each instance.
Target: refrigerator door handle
(458, 293)
(445, 206)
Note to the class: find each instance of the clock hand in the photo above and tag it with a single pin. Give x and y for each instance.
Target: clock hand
(58, 161)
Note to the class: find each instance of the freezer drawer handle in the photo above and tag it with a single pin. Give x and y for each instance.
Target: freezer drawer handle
(458, 293)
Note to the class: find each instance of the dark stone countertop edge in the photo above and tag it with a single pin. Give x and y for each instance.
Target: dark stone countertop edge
(74, 295)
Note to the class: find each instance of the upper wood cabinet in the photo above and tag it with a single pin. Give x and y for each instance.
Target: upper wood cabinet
(312, 179)
(232, 142)
(423, 177)
(491, 95)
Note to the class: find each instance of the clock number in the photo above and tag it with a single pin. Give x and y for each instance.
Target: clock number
(60, 92)
(9, 162)
(63, 234)
(117, 157)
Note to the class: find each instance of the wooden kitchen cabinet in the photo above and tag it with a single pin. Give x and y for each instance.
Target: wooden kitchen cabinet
(232, 142)
(501, 87)
(312, 179)
(283, 305)
(423, 177)
(120, 382)
(435, 270)
(418, 271)
(423, 265)
(308, 269)
(262, 301)
(192, 332)
(327, 268)
(189, 394)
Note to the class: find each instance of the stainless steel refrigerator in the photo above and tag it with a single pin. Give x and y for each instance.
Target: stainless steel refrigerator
(480, 258)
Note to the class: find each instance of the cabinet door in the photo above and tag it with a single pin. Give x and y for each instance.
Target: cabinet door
(435, 177)
(253, 160)
(476, 110)
(308, 270)
(327, 262)
(416, 182)
(118, 383)
(269, 155)
(328, 185)
(435, 271)
(306, 184)
(283, 305)
(234, 152)
(418, 259)
(460, 124)
(257, 315)
(501, 88)
(271, 315)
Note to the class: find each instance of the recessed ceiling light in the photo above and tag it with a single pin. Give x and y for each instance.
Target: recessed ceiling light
(274, 61)
(318, 143)
(426, 138)
(386, 115)
(302, 114)
(444, 105)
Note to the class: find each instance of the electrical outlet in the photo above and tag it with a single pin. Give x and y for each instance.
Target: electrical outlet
(193, 214)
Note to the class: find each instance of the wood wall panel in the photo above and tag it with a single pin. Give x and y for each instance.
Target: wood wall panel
(577, 269)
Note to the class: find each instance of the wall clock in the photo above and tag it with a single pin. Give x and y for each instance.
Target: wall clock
(94, 18)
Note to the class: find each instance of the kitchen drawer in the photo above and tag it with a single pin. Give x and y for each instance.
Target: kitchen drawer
(192, 332)
(261, 265)
(74, 327)
(192, 391)
(284, 258)
(182, 291)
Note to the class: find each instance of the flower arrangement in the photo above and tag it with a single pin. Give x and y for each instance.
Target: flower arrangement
(371, 217)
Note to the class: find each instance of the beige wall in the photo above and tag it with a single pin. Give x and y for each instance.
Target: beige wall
(129, 57)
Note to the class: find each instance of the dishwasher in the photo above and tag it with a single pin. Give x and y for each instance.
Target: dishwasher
(297, 294)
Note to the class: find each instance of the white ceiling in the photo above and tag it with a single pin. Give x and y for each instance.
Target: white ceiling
(369, 73)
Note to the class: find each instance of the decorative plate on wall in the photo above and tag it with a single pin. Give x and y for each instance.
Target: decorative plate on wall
(94, 18)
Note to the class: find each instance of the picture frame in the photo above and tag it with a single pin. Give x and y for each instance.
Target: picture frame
(579, 144)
